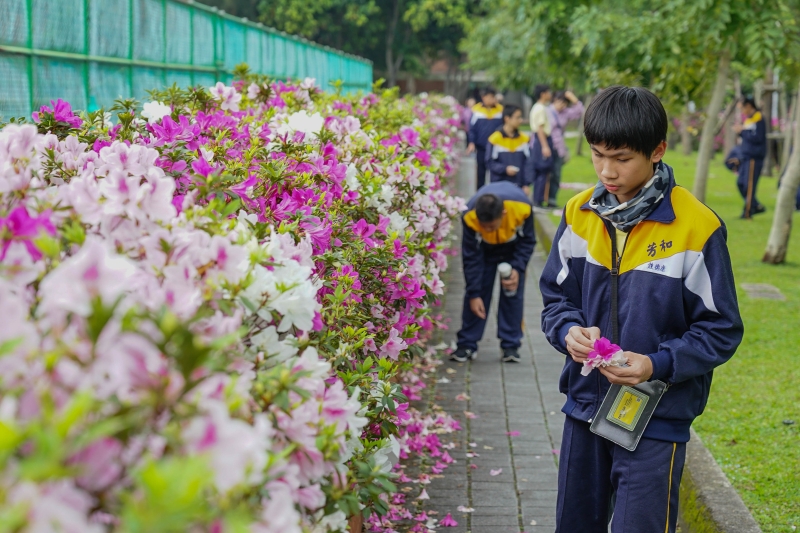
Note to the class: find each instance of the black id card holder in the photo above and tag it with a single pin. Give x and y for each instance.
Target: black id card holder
(625, 412)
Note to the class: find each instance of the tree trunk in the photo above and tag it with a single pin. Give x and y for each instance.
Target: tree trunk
(787, 130)
(710, 126)
(728, 135)
(778, 242)
(356, 523)
(686, 135)
(411, 84)
(581, 136)
(392, 65)
(766, 112)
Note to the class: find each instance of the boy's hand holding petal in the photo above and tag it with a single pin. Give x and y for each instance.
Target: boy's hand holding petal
(639, 370)
(580, 341)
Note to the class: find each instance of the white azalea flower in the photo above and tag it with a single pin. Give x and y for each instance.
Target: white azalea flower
(155, 111)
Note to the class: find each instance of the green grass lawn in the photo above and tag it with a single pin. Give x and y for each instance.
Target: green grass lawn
(759, 388)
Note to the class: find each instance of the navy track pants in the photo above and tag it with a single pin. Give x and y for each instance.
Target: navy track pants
(480, 153)
(644, 484)
(509, 313)
(747, 181)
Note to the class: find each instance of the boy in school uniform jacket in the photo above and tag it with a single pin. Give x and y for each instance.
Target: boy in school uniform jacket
(497, 228)
(752, 152)
(486, 118)
(678, 318)
(508, 151)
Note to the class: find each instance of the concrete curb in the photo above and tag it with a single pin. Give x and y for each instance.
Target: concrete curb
(545, 229)
(708, 501)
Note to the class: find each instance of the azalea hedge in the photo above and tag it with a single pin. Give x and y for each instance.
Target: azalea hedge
(216, 309)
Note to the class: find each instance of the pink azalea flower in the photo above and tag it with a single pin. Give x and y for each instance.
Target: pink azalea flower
(399, 249)
(423, 157)
(20, 226)
(409, 136)
(61, 111)
(393, 346)
(448, 521)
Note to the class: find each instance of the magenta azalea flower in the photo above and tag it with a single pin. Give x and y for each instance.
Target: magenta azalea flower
(61, 111)
(604, 348)
(448, 521)
(20, 226)
(423, 157)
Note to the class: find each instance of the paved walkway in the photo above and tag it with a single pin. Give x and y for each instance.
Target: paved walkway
(510, 414)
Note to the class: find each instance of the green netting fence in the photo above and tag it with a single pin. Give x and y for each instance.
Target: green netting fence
(91, 52)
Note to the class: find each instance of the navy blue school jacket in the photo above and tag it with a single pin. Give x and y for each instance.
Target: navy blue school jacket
(503, 151)
(484, 122)
(754, 137)
(677, 303)
(513, 241)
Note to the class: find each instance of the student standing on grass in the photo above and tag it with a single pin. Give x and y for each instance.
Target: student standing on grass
(638, 260)
(542, 146)
(497, 228)
(508, 151)
(486, 118)
(752, 152)
(566, 107)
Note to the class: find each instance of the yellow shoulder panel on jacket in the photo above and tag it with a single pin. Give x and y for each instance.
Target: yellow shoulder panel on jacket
(574, 204)
(653, 241)
(488, 112)
(752, 120)
(517, 212)
(471, 220)
(496, 138)
(514, 218)
(512, 144)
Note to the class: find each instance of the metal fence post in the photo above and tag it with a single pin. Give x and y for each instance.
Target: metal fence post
(86, 26)
(131, 26)
(31, 81)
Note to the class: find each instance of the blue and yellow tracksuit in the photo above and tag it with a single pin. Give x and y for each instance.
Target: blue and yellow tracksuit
(503, 151)
(484, 122)
(752, 152)
(678, 306)
(481, 252)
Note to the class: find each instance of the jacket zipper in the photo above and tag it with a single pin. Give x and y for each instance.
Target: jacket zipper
(616, 263)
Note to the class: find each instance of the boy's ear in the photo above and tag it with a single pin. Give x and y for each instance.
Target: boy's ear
(659, 152)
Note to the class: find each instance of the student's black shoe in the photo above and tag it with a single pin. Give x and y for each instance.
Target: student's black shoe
(552, 205)
(463, 354)
(510, 355)
(760, 208)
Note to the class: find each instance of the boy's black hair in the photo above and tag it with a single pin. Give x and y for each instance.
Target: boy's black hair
(749, 100)
(509, 110)
(539, 90)
(561, 95)
(488, 90)
(626, 117)
(489, 207)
